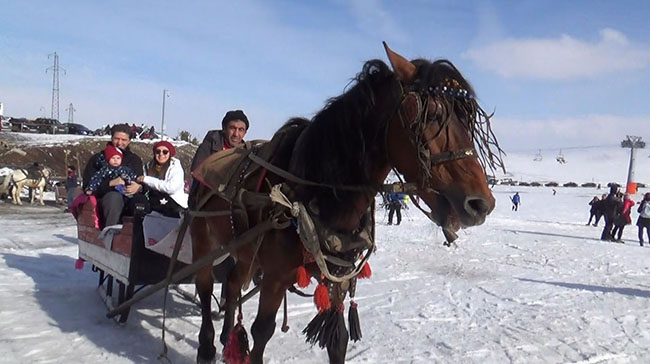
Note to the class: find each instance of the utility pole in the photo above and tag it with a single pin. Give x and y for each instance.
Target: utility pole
(162, 126)
(71, 111)
(632, 142)
(55, 85)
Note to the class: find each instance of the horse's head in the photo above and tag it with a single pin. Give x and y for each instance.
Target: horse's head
(434, 138)
(46, 172)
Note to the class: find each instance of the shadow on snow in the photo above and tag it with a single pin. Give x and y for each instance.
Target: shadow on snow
(60, 290)
(588, 287)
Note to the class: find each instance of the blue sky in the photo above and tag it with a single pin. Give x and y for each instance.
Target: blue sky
(556, 73)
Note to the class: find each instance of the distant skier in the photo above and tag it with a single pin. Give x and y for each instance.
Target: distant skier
(395, 204)
(516, 201)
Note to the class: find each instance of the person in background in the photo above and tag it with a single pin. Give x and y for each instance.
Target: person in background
(70, 184)
(644, 217)
(516, 201)
(599, 208)
(623, 218)
(395, 207)
(165, 179)
(610, 207)
(593, 211)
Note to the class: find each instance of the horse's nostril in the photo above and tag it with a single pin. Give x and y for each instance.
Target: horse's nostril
(478, 206)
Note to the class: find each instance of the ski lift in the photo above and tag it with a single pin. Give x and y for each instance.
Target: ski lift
(538, 157)
(560, 158)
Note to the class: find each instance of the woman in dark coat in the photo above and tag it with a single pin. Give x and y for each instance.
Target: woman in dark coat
(593, 211)
(644, 217)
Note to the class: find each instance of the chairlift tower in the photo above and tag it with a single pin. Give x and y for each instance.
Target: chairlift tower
(632, 142)
(55, 85)
(71, 111)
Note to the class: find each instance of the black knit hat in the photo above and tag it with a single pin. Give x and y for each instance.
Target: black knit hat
(234, 115)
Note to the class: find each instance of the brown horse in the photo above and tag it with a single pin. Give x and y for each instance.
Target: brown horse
(420, 118)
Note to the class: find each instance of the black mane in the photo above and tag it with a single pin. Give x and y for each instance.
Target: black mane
(341, 140)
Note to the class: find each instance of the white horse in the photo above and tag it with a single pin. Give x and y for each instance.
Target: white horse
(18, 179)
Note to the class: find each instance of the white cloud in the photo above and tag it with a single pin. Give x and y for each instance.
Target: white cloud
(561, 58)
(588, 130)
(373, 19)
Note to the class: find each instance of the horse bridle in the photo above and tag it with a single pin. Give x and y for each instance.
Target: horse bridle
(414, 128)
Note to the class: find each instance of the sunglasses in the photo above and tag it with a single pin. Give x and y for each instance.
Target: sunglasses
(161, 151)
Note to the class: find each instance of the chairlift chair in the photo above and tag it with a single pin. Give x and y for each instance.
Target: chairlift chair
(560, 158)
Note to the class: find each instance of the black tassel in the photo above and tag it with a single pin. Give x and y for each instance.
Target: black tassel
(314, 327)
(354, 323)
(326, 328)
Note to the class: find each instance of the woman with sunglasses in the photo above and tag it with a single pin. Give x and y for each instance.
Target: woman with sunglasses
(165, 179)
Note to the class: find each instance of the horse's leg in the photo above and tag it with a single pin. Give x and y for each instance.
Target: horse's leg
(16, 194)
(336, 350)
(233, 290)
(41, 190)
(204, 285)
(271, 296)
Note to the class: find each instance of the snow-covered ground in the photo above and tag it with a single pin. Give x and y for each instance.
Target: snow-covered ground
(533, 286)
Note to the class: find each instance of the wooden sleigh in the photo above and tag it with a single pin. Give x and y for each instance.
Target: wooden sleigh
(125, 265)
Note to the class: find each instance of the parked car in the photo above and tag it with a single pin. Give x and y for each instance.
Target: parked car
(78, 129)
(23, 125)
(50, 126)
(5, 124)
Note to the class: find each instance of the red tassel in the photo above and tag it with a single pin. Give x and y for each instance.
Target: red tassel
(322, 298)
(366, 272)
(302, 278)
(236, 350)
(79, 264)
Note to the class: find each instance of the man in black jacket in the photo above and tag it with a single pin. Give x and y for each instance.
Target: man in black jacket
(233, 129)
(610, 207)
(112, 204)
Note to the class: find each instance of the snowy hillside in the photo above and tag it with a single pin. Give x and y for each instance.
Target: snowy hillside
(598, 165)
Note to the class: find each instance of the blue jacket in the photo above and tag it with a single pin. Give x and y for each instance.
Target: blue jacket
(516, 199)
(108, 173)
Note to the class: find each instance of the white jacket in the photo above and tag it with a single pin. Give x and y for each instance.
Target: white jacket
(173, 184)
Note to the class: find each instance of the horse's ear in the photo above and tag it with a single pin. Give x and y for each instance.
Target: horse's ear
(404, 70)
